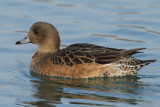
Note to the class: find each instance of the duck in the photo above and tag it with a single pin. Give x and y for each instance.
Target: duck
(79, 60)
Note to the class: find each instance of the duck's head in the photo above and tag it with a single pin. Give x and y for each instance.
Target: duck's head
(44, 35)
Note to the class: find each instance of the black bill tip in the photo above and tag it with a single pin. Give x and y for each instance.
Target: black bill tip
(18, 42)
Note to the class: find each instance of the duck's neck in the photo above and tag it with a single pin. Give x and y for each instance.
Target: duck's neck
(49, 46)
(41, 53)
(39, 57)
(47, 49)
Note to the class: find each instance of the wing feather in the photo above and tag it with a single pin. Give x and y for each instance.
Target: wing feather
(89, 53)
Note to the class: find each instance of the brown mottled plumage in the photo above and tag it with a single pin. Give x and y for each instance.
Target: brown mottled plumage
(78, 60)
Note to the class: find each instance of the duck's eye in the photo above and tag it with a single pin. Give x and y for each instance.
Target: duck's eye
(35, 31)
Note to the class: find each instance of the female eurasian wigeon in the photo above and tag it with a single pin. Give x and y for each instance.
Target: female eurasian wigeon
(78, 60)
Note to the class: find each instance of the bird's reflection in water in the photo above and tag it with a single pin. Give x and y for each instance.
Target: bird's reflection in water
(118, 89)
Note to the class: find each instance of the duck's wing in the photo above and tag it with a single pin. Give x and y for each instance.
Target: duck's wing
(89, 53)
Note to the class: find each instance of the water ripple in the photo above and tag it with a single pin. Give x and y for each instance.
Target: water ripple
(118, 38)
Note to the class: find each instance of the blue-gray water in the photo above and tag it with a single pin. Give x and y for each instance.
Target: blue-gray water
(113, 23)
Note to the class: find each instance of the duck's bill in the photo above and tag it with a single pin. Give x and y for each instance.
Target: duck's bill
(23, 41)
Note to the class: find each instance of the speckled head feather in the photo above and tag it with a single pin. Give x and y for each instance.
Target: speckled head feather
(78, 60)
(45, 36)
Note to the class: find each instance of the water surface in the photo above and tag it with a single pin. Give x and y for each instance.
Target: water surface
(121, 24)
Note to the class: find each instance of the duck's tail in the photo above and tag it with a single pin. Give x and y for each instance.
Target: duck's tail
(143, 63)
(130, 66)
(146, 62)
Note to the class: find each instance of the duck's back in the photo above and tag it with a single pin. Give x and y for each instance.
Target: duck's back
(86, 53)
(89, 53)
